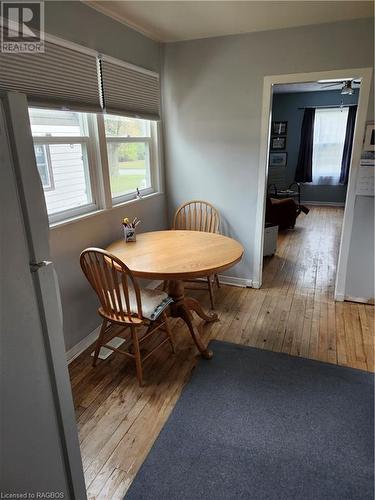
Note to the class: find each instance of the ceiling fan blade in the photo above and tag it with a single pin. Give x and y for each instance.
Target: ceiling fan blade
(335, 84)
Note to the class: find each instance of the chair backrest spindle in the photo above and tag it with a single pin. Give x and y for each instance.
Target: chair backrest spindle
(113, 283)
(197, 215)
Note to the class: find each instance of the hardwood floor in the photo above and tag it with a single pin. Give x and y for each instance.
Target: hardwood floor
(294, 313)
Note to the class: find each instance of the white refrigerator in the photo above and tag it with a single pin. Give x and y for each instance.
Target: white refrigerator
(38, 437)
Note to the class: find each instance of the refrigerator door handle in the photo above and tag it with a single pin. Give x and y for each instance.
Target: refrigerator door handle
(35, 266)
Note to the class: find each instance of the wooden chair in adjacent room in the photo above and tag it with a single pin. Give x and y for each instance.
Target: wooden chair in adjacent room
(199, 215)
(125, 304)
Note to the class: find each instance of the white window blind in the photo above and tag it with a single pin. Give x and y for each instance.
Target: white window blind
(59, 77)
(129, 90)
(69, 76)
(329, 138)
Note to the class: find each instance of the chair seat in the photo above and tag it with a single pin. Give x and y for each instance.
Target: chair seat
(154, 302)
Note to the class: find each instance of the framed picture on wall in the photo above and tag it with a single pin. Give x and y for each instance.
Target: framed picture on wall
(278, 143)
(278, 159)
(369, 144)
(279, 128)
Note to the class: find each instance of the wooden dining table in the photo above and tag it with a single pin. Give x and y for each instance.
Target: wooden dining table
(175, 256)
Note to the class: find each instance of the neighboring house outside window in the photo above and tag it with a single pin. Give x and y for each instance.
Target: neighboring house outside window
(61, 142)
(329, 138)
(43, 162)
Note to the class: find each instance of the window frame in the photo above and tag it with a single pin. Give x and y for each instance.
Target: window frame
(88, 142)
(153, 148)
(95, 142)
(47, 155)
(318, 178)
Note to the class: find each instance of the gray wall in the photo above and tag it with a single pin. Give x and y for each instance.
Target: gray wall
(286, 107)
(76, 22)
(212, 105)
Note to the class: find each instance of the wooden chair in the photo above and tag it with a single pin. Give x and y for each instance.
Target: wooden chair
(199, 215)
(124, 303)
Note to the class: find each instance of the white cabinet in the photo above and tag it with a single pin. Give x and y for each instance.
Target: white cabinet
(365, 181)
(270, 240)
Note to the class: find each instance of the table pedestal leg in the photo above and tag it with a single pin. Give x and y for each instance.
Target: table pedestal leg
(182, 307)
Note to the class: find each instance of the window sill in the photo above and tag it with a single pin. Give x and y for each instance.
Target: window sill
(121, 200)
(101, 211)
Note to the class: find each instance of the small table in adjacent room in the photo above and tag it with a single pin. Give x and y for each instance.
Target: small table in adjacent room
(175, 256)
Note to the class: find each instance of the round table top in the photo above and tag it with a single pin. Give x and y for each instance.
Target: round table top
(177, 254)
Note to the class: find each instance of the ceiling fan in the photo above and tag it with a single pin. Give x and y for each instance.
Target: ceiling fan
(347, 86)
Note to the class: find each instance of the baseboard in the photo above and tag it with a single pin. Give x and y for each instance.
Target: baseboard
(225, 280)
(82, 345)
(255, 284)
(323, 203)
(154, 284)
(234, 281)
(339, 297)
(360, 300)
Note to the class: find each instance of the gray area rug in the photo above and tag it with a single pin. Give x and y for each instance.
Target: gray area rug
(261, 425)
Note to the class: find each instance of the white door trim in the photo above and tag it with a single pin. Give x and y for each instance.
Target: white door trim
(14, 114)
(359, 73)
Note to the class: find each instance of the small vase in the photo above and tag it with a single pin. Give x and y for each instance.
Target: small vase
(129, 234)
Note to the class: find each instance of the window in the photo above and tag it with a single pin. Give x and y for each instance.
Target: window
(130, 155)
(61, 144)
(71, 148)
(329, 138)
(43, 162)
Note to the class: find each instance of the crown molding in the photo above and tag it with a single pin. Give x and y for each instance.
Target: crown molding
(109, 13)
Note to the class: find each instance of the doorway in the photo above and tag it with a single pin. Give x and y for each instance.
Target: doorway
(282, 126)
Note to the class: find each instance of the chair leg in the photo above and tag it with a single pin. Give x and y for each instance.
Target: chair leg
(99, 341)
(137, 355)
(168, 331)
(211, 290)
(217, 280)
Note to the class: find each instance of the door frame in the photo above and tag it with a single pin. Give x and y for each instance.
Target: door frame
(365, 74)
(17, 140)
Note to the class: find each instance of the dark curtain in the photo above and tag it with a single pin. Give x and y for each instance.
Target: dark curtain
(304, 164)
(348, 145)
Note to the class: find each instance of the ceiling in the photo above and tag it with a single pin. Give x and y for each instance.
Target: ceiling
(172, 21)
(308, 87)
